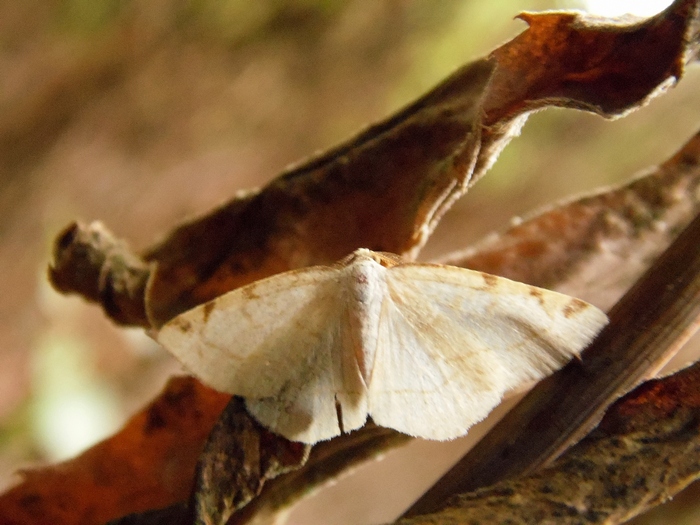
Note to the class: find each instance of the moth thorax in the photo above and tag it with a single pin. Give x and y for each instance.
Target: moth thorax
(367, 284)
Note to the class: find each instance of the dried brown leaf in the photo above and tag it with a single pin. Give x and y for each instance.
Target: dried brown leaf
(383, 190)
(387, 188)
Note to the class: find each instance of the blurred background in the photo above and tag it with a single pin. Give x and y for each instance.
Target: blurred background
(141, 114)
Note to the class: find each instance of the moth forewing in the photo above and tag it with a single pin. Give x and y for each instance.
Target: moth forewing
(453, 341)
(524, 326)
(251, 340)
(416, 388)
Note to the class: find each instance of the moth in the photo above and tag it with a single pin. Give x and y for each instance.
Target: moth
(425, 349)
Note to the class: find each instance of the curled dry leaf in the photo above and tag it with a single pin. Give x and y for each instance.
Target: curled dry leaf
(385, 189)
(645, 450)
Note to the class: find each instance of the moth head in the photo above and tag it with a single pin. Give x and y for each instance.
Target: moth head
(385, 259)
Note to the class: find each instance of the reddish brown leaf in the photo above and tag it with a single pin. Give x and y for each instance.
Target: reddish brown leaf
(383, 190)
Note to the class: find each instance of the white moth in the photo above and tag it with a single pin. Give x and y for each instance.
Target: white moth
(425, 349)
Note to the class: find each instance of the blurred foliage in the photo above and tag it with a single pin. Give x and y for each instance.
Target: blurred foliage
(86, 17)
